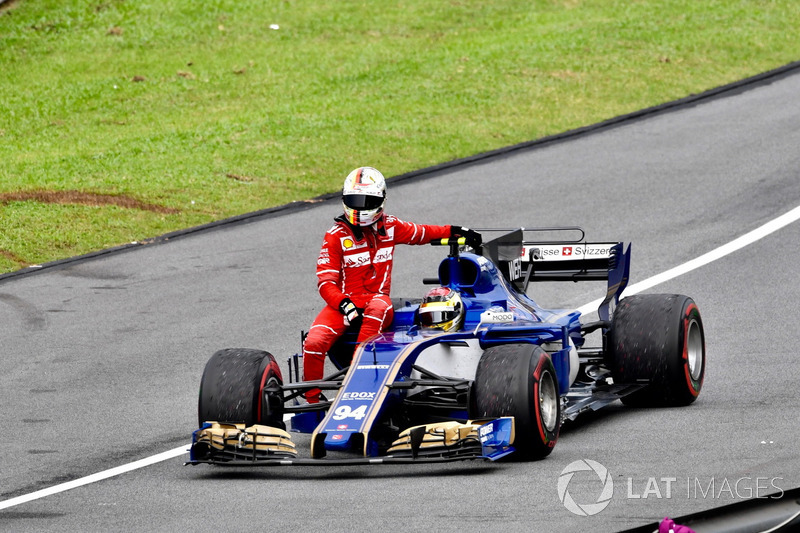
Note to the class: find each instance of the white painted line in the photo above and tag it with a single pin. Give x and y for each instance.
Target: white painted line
(718, 253)
(177, 452)
(704, 259)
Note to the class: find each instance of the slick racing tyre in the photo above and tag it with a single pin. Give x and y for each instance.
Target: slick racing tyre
(239, 386)
(519, 380)
(658, 339)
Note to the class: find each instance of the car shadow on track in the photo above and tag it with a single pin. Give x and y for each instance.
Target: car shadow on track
(615, 410)
(467, 468)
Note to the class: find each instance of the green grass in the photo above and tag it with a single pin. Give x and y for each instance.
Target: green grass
(201, 107)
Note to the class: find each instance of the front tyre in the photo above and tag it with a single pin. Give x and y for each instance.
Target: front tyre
(520, 380)
(658, 338)
(241, 385)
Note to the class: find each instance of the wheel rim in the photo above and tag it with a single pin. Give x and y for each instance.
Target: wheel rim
(548, 401)
(694, 350)
(273, 404)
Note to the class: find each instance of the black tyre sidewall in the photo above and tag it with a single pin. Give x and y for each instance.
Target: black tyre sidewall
(684, 388)
(547, 438)
(271, 408)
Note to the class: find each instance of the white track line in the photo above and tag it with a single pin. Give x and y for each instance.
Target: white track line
(722, 251)
(718, 253)
(95, 477)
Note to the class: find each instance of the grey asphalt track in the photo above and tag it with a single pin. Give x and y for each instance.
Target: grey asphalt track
(102, 357)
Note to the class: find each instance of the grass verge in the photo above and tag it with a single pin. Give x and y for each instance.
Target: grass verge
(177, 113)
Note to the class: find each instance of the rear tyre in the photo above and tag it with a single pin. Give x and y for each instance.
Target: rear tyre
(519, 380)
(240, 385)
(658, 338)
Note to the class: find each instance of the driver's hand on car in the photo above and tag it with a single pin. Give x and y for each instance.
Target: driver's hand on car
(352, 314)
(472, 238)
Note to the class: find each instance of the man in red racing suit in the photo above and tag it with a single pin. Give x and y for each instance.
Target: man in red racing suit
(354, 271)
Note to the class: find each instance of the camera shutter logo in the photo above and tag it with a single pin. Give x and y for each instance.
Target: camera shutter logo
(587, 509)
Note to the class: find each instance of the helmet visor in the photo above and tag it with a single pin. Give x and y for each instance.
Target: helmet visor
(362, 201)
(436, 316)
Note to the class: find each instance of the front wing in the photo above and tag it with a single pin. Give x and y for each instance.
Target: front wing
(257, 445)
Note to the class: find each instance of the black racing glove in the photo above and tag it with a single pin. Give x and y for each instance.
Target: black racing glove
(352, 314)
(473, 238)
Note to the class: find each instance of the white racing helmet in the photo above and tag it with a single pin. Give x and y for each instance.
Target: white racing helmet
(363, 196)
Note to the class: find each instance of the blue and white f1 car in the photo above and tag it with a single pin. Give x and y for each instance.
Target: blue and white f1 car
(503, 383)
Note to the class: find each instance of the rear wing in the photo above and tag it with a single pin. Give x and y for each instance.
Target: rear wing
(524, 255)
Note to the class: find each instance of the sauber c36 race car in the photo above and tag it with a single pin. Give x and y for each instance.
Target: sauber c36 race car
(503, 383)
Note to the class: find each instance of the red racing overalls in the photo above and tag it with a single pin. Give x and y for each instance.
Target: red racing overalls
(356, 262)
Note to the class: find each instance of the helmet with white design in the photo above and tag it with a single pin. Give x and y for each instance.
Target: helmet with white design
(441, 308)
(363, 195)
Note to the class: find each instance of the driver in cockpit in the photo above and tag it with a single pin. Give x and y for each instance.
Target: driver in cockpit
(442, 308)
